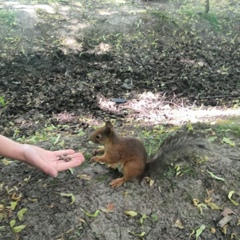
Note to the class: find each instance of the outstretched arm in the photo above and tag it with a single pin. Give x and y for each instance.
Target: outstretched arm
(50, 162)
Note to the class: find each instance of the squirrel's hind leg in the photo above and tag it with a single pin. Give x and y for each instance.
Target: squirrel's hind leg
(131, 170)
(117, 182)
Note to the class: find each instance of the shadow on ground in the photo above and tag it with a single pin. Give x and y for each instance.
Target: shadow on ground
(66, 67)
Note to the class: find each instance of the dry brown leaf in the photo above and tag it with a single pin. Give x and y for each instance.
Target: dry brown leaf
(210, 191)
(223, 222)
(224, 229)
(110, 207)
(227, 211)
(16, 197)
(213, 230)
(178, 224)
(195, 202)
(84, 176)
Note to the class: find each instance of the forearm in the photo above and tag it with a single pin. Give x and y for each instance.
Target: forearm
(11, 149)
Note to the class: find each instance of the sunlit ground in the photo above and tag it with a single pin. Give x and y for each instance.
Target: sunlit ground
(152, 108)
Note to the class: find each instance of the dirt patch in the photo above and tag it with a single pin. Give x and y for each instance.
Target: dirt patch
(68, 66)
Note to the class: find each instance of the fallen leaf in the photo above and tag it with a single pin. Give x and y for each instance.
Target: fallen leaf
(68, 195)
(149, 181)
(224, 221)
(210, 191)
(200, 206)
(224, 229)
(84, 176)
(212, 138)
(227, 211)
(110, 207)
(154, 217)
(92, 215)
(81, 220)
(213, 206)
(230, 198)
(12, 223)
(18, 228)
(216, 177)
(57, 139)
(131, 213)
(144, 216)
(191, 234)
(213, 230)
(178, 224)
(2, 228)
(21, 213)
(16, 197)
(27, 179)
(195, 201)
(13, 205)
(32, 199)
(228, 141)
(6, 162)
(142, 234)
(199, 231)
(9, 190)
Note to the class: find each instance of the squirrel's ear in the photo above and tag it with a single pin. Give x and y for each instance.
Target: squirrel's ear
(108, 127)
(108, 124)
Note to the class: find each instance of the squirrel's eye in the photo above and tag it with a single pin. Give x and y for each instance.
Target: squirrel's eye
(98, 136)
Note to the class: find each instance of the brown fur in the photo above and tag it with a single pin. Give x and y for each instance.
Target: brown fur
(128, 152)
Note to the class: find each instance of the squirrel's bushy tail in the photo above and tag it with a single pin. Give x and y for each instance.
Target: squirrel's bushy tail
(183, 145)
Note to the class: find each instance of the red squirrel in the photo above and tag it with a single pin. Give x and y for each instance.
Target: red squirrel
(130, 155)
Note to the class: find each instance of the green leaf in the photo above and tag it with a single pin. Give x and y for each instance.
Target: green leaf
(131, 213)
(12, 223)
(18, 228)
(2, 228)
(13, 205)
(230, 198)
(144, 216)
(69, 195)
(216, 177)
(142, 234)
(228, 141)
(199, 231)
(212, 138)
(154, 217)
(92, 215)
(21, 213)
(57, 139)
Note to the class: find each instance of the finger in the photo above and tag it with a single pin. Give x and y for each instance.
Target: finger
(66, 151)
(74, 162)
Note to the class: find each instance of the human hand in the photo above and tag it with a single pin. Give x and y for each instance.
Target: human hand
(51, 162)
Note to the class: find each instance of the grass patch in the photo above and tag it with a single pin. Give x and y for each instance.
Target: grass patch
(7, 17)
(212, 19)
(231, 126)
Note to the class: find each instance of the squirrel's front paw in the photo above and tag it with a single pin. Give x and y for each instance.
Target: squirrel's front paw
(94, 152)
(95, 159)
(92, 159)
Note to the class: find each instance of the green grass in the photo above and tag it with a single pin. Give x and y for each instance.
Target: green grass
(212, 20)
(7, 17)
(230, 125)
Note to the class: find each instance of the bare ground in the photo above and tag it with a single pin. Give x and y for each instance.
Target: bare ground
(68, 67)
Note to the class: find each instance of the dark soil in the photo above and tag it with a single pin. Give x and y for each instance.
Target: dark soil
(67, 67)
